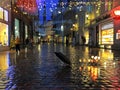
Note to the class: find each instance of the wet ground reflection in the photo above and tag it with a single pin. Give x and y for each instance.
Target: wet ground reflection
(40, 69)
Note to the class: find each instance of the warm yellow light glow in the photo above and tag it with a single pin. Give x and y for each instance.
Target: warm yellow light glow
(3, 62)
(106, 54)
(75, 27)
(3, 34)
(1, 13)
(94, 73)
(49, 36)
(107, 36)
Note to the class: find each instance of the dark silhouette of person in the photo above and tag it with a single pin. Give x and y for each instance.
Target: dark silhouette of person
(83, 40)
(27, 41)
(17, 44)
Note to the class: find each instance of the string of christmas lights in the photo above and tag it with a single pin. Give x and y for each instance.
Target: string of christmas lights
(29, 6)
(50, 6)
(33, 6)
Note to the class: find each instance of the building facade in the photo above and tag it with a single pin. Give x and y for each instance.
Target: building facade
(5, 24)
(104, 27)
(14, 23)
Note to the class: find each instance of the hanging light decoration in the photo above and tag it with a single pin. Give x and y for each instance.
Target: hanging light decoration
(28, 6)
(51, 5)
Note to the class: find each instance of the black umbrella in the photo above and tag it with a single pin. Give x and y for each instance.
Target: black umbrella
(63, 58)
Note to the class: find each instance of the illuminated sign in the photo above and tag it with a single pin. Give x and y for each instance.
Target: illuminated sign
(115, 13)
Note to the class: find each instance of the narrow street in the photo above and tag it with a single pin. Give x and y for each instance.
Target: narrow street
(40, 69)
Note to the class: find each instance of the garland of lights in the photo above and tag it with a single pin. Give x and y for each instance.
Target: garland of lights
(55, 5)
(29, 6)
(32, 5)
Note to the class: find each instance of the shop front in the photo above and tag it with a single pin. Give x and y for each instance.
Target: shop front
(4, 29)
(106, 34)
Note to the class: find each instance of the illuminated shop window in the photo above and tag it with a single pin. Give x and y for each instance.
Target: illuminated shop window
(107, 36)
(1, 13)
(5, 15)
(3, 34)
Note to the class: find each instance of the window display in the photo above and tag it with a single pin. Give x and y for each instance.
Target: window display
(3, 34)
(107, 36)
(107, 33)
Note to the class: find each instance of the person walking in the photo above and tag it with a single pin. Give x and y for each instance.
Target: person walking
(27, 42)
(17, 44)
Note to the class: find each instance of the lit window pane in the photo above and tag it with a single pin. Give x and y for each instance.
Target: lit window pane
(1, 13)
(5, 15)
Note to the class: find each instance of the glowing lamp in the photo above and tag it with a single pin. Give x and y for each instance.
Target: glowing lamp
(29, 6)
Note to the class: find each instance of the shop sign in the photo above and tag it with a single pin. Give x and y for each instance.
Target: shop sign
(115, 13)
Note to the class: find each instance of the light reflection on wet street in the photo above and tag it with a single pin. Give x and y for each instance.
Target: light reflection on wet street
(40, 69)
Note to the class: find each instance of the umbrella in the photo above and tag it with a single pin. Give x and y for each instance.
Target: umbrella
(63, 58)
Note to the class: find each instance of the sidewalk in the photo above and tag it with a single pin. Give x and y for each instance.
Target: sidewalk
(4, 48)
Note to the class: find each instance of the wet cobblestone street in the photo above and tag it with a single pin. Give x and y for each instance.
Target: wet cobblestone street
(40, 69)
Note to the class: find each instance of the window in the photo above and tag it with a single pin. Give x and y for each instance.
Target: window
(1, 13)
(5, 15)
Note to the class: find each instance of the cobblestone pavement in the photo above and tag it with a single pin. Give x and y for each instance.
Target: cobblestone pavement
(40, 69)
